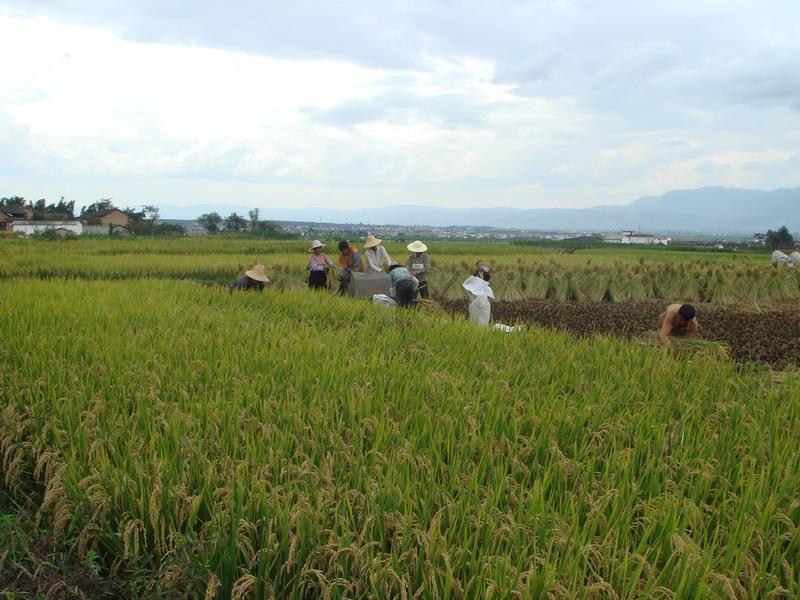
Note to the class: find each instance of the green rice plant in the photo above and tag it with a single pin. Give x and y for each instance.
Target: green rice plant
(718, 289)
(558, 288)
(536, 285)
(277, 444)
(219, 259)
(779, 285)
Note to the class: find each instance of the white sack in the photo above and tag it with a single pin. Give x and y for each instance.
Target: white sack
(477, 287)
(507, 328)
(779, 257)
(480, 311)
(384, 300)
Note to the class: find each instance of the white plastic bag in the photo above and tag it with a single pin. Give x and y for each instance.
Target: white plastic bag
(780, 258)
(477, 287)
(384, 300)
(507, 328)
(480, 311)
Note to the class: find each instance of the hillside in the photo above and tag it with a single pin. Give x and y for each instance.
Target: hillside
(704, 210)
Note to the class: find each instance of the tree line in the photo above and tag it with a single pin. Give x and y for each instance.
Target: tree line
(144, 221)
(213, 222)
(780, 238)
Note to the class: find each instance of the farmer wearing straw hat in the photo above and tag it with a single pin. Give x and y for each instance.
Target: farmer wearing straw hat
(376, 255)
(317, 278)
(419, 263)
(404, 283)
(253, 280)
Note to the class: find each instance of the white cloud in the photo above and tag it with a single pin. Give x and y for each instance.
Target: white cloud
(526, 104)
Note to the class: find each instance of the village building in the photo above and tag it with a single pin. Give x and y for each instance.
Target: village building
(35, 227)
(9, 214)
(112, 216)
(110, 229)
(633, 237)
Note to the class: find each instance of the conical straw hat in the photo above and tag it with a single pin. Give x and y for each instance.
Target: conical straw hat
(417, 246)
(372, 241)
(258, 273)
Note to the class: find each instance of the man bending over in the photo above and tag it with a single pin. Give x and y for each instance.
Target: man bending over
(678, 320)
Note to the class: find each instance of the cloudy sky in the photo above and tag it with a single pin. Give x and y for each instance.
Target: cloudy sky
(562, 103)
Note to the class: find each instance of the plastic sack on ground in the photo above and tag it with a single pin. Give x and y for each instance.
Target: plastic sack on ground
(480, 311)
(507, 328)
(794, 259)
(779, 257)
(384, 300)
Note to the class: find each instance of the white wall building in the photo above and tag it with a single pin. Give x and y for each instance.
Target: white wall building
(632, 237)
(34, 227)
(109, 229)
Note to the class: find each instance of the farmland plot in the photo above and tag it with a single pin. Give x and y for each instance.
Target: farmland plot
(519, 272)
(299, 445)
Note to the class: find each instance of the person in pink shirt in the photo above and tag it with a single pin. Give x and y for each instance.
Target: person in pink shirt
(317, 278)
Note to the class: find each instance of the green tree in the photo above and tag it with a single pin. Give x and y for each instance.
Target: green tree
(210, 222)
(39, 209)
(235, 222)
(135, 216)
(253, 214)
(780, 238)
(63, 209)
(267, 227)
(91, 213)
(15, 201)
(169, 229)
(97, 207)
(151, 214)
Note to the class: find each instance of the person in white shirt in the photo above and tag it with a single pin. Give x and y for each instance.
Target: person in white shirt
(419, 263)
(376, 255)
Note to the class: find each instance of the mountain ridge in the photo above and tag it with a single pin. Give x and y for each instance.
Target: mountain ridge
(713, 209)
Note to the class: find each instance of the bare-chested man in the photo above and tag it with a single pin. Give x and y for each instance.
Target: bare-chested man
(677, 320)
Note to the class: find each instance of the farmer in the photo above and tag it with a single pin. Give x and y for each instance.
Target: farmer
(419, 263)
(678, 320)
(376, 255)
(317, 278)
(404, 283)
(349, 260)
(253, 280)
(482, 271)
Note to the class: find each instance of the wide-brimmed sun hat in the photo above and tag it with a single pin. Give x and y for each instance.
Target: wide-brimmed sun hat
(258, 273)
(372, 241)
(315, 245)
(417, 246)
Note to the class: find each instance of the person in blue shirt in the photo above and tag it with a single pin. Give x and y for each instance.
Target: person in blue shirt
(404, 283)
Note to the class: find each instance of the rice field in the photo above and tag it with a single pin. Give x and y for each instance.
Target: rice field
(298, 445)
(520, 272)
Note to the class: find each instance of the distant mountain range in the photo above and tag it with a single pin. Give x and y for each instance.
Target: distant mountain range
(704, 210)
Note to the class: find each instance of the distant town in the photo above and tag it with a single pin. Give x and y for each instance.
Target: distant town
(103, 218)
(398, 232)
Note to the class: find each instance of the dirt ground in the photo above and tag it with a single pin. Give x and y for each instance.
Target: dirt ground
(33, 565)
(768, 336)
